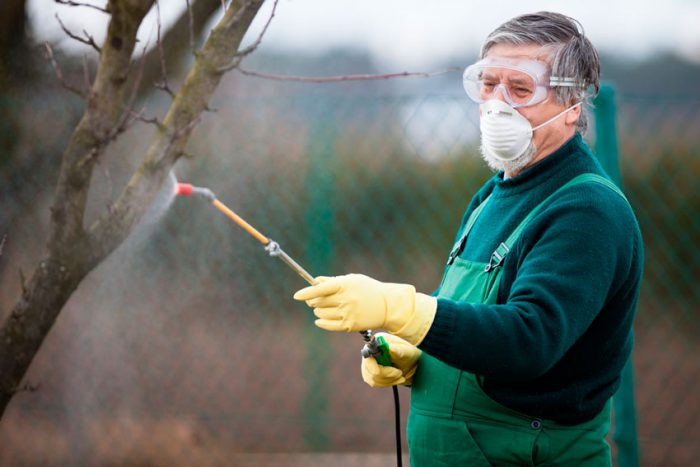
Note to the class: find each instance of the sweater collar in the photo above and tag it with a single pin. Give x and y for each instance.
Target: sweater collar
(539, 172)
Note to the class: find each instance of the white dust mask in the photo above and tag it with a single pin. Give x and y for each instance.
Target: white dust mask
(505, 133)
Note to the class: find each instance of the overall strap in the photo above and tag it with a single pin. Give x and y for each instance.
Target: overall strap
(467, 227)
(499, 255)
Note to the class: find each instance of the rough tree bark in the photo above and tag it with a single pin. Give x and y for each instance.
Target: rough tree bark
(73, 249)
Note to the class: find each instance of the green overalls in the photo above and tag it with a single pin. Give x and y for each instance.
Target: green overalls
(452, 422)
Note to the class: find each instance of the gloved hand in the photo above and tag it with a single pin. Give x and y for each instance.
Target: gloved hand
(355, 302)
(404, 357)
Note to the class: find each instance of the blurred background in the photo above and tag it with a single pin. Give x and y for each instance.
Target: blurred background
(185, 346)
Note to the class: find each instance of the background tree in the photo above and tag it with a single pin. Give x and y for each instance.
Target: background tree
(13, 44)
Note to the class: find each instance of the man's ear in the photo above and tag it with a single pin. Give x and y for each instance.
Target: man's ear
(573, 115)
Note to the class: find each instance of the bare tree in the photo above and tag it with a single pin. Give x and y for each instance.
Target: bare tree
(74, 249)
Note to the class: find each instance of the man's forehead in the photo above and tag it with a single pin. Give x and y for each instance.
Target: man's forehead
(496, 65)
(499, 73)
(519, 52)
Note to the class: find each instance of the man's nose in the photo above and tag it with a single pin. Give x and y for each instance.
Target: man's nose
(499, 92)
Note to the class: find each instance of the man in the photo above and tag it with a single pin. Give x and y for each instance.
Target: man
(515, 357)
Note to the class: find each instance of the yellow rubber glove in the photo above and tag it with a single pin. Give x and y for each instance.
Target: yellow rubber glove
(355, 302)
(404, 357)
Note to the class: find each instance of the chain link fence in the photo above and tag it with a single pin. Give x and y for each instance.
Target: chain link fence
(186, 348)
(659, 148)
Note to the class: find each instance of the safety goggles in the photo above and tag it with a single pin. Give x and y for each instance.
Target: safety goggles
(521, 82)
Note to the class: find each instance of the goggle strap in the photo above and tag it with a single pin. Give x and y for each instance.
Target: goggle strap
(564, 82)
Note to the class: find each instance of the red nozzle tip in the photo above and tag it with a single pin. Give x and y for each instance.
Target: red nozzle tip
(184, 189)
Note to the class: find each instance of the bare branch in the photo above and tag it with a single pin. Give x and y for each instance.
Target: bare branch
(59, 74)
(163, 84)
(2, 243)
(184, 113)
(153, 120)
(137, 80)
(91, 99)
(251, 48)
(179, 42)
(86, 74)
(128, 114)
(335, 79)
(190, 20)
(89, 41)
(72, 3)
(248, 50)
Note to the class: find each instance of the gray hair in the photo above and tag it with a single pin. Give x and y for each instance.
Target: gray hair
(570, 53)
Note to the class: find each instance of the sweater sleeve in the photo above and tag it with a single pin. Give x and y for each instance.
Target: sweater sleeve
(558, 277)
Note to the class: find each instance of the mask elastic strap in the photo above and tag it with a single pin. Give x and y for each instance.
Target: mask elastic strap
(556, 116)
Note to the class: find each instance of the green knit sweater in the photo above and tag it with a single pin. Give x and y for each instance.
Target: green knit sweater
(555, 343)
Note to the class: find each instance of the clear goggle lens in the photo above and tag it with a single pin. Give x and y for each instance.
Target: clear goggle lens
(521, 82)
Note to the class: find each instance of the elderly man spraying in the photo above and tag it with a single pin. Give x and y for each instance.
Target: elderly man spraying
(514, 358)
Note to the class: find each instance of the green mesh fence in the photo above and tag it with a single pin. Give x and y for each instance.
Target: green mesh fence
(186, 348)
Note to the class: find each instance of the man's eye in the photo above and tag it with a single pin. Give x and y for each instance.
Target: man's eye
(521, 91)
(488, 85)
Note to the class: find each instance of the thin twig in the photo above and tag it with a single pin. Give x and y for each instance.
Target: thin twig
(72, 3)
(59, 74)
(89, 41)
(335, 79)
(251, 48)
(190, 18)
(86, 73)
(162, 85)
(140, 117)
(137, 80)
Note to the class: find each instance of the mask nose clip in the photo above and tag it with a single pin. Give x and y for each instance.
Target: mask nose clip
(499, 112)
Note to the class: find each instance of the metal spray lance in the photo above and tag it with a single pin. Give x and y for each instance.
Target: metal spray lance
(374, 347)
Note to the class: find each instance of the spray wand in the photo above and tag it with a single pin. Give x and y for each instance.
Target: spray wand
(374, 347)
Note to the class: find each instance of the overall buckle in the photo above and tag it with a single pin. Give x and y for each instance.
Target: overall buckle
(497, 257)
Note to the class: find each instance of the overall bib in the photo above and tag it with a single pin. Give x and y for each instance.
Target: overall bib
(452, 422)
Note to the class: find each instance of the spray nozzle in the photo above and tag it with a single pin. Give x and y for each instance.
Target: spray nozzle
(186, 189)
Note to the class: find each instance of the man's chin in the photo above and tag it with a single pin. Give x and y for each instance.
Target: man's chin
(511, 167)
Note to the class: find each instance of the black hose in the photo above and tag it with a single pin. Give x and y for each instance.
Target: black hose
(397, 418)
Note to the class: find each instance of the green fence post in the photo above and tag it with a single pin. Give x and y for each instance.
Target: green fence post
(625, 435)
(319, 253)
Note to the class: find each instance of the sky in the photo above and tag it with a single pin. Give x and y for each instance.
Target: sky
(414, 34)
